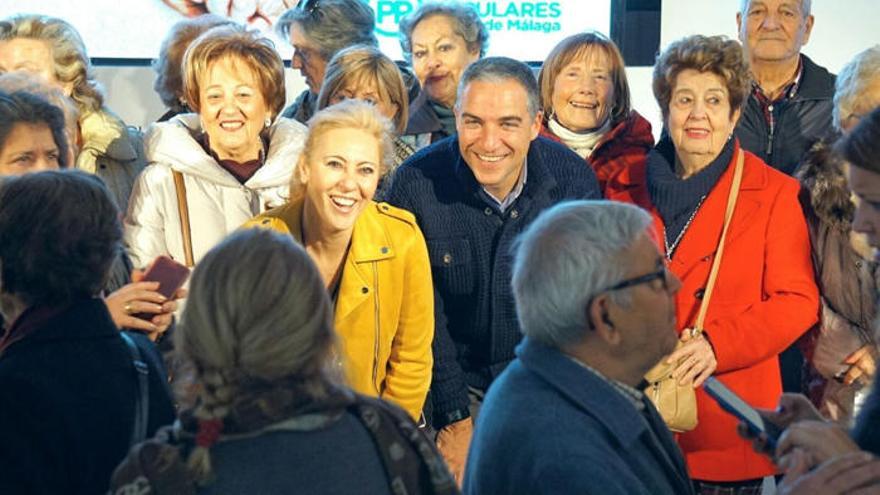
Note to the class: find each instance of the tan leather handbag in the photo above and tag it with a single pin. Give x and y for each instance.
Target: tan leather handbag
(677, 404)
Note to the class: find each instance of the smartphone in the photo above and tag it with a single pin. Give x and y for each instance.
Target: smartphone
(733, 404)
(171, 276)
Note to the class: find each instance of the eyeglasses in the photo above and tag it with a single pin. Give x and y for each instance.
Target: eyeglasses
(661, 274)
(307, 5)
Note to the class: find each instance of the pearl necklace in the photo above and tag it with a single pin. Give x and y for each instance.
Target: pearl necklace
(670, 248)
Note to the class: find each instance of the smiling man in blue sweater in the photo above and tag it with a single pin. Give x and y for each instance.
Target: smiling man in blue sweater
(472, 194)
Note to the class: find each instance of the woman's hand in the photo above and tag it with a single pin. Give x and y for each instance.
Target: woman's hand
(142, 297)
(819, 440)
(696, 360)
(861, 365)
(855, 473)
(791, 408)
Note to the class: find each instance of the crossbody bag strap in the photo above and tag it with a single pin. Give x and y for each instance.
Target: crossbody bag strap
(142, 397)
(183, 210)
(716, 263)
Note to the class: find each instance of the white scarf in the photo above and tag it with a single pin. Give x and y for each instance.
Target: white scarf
(582, 143)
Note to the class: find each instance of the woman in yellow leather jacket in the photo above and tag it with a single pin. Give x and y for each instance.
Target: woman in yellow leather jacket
(372, 256)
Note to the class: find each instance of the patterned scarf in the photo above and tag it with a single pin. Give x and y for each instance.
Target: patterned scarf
(157, 466)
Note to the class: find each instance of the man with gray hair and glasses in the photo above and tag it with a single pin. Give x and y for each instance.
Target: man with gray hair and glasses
(596, 306)
(472, 193)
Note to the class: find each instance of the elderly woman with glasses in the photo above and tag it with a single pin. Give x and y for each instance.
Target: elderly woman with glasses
(765, 295)
(318, 30)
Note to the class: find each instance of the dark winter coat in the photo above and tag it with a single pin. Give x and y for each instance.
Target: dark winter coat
(67, 403)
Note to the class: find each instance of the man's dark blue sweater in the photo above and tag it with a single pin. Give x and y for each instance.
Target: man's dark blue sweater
(469, 241)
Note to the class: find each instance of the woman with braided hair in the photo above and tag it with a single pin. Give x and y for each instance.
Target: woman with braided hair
(258, 330)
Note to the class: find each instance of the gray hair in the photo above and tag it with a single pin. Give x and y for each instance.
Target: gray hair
(568, 255)
(332, 24)
(258, 312)
(806, 7)
(862, 72)
(465, 19)
(498, 69)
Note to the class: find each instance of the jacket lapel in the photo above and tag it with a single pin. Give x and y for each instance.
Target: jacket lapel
(370, 242)
(701, 239)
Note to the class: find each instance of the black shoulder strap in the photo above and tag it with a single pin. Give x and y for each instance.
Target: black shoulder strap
(142, 397)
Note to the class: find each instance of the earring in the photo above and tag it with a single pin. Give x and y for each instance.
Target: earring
(268, 122)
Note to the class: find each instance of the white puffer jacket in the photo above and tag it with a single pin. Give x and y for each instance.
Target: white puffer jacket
(218, 203)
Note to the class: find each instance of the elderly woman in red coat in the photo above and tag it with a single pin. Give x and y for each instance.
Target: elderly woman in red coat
(765, 295)
(586, 103)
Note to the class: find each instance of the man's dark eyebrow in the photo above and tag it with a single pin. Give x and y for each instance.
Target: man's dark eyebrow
(511, 118)
(466, 115)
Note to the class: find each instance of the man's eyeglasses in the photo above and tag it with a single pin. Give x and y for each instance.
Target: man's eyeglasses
(661, 274)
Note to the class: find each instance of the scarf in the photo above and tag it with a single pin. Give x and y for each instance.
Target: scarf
(446, 117)
(411, 461)
(582, 143)
(678, 199)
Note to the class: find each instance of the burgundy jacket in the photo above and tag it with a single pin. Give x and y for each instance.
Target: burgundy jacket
(625, 144)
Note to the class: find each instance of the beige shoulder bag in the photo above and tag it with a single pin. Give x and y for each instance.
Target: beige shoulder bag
(183, 211)
(677, 404)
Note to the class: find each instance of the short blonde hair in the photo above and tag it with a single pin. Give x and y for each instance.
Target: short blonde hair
(72, 65)
(577, 47)
(856, 77)
(716, 54)
(169, 76)
(361, 64)
(239, 44)
(348, 114)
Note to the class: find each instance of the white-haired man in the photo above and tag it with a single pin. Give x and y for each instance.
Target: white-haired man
(790, 105)
(596, 306)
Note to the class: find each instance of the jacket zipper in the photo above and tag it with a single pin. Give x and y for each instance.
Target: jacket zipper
(377, 327)
(770, 137)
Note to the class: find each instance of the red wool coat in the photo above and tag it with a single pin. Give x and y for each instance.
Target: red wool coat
(765, 298)
(628, 143)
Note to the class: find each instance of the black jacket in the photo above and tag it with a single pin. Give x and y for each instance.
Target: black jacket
(67, 395)
(469, 242)
(800, 121)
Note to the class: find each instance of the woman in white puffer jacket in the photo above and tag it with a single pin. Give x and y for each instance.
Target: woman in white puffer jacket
(233, 162)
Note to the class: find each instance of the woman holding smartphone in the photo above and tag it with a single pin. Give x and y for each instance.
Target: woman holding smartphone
(371, 256)
(33, 139)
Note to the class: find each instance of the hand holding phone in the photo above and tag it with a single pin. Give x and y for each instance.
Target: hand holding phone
(733, 404)
(170, 275)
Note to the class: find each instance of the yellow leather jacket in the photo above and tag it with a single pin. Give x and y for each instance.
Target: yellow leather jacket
(385, 308)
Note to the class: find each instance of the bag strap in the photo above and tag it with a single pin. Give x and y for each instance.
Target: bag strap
(716, 263)
(142, 398)
(183, 210)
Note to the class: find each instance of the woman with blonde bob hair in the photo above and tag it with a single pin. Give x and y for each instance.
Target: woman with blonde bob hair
(212, 170)
(363, 72)
(53, 49)
(765, 296)
(258, 330)
(586, 103)
(372, 257)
